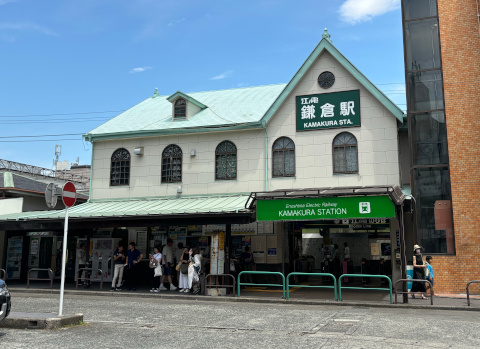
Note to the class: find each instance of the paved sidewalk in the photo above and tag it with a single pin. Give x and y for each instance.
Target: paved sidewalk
(364, 297)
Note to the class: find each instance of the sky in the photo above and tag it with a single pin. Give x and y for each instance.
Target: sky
(68, 66)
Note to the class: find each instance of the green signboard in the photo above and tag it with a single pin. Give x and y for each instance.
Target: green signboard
(325, 208)
(328, 110)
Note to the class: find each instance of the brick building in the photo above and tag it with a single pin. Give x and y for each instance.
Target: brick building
(442, 66)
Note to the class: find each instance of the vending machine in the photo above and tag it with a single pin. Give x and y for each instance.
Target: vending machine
(14, 257)
(100, 254)
(45, 253)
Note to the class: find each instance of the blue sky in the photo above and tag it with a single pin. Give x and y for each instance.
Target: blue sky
(67, 66)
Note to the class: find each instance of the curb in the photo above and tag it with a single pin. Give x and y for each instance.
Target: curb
(40, 321)
(238, 299)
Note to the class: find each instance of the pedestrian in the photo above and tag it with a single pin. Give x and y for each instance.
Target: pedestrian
(418, 272)
(167, 256)
(134, 256)
(83, 275)
(155, 260)
(119, 259)
(183, 272)
(178, 256)
(247, 262)
(430, 272)
(195, 259)
(346, 251)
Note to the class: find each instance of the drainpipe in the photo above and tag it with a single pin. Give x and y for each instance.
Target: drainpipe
(91, 176)
(266, 155)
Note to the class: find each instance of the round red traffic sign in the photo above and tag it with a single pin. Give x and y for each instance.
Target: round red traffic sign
(69, 194)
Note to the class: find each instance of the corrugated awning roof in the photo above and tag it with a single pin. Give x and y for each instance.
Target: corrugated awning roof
(199, 205)
(394, 192)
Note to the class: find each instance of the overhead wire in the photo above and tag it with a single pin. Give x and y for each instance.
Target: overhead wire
(62, 114)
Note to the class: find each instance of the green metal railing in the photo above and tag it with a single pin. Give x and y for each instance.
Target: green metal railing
(261, 273)
(317, 286)
(364, 288)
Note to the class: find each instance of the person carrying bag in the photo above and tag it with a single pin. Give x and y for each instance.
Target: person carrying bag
(155, 264)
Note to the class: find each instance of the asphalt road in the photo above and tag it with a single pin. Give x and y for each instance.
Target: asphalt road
(126, 322)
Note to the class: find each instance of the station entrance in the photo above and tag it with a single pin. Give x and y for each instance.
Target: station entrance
(353, 246)
(355, 230)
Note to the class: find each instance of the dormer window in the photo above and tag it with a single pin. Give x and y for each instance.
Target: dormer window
(180, 109)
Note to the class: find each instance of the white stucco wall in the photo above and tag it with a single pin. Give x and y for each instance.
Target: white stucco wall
(377, 150)
(198, 172)
(377, 136)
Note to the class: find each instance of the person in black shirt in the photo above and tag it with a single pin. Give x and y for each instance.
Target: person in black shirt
(134, 256)
(119, 260)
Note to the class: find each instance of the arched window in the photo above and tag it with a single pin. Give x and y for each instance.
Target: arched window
(180, 109)
(172, 164)
(120, 167)
(345, 153)
(226, 161)
(283, 157)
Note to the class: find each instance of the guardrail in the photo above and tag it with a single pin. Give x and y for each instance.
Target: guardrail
(4, 274)
(468, 285)
(99, 271)
(413, 280)
(282, 285)
(316, 286)
(50, 273)
(222, 285)
(364, 288)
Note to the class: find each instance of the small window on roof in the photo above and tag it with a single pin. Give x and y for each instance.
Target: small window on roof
(180, 109)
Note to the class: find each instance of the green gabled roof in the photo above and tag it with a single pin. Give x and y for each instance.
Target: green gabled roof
(240, 108)
(326, 45)
(233, 108)
(179, 94)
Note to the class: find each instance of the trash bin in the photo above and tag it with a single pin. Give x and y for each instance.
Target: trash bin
(409, 276)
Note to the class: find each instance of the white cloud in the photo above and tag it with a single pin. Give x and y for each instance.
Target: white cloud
(176, 21)
(27, 26)
(4, 2)
(139, 70)
(227, 74)
(240, 84)
(357, 11)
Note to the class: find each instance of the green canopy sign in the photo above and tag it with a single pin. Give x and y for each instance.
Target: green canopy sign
(325, 208)
(328, 110)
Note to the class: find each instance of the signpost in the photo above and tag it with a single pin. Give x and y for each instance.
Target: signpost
(69, 196)
(51, 195)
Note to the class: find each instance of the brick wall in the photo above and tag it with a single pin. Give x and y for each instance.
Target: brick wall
(460, 45)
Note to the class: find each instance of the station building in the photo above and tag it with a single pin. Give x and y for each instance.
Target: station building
(293, 171)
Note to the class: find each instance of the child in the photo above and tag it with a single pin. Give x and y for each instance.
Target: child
(430, 271)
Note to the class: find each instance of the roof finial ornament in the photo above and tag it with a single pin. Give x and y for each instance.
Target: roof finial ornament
(155, 93)
(325, 35)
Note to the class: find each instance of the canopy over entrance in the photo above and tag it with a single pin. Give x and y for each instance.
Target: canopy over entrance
(327, 203)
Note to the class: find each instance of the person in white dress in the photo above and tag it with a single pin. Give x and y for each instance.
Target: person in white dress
(194, 268)
(183, 277)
